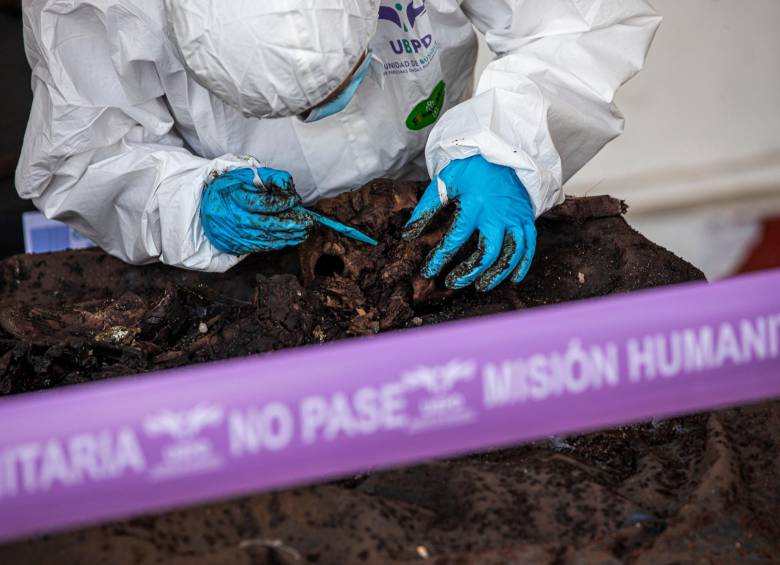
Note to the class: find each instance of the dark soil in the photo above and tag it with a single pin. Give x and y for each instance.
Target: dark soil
(73, 317)
(703, 488)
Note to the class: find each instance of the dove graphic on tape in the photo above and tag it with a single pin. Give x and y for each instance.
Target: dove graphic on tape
(441, 405)
(189, 451)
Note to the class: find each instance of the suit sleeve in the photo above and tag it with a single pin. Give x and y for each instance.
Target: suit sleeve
(545, 106)
(101, 152)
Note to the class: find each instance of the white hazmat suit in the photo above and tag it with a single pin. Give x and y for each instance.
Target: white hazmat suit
(137, 103)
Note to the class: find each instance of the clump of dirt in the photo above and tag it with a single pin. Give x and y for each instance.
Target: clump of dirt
(704, 486)
(80, 316)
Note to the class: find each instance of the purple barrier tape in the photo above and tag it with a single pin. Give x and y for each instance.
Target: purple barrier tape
(114, 449)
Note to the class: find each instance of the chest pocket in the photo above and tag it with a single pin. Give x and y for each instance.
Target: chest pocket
(406, 44)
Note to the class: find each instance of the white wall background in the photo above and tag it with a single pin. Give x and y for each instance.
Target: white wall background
(700, 159)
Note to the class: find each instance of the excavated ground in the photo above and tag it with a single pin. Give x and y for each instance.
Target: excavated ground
(704, 487)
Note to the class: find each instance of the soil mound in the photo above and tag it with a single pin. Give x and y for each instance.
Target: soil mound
(73, 317)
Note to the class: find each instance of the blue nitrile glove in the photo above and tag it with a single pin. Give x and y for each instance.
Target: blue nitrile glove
(253, 209)
(490, 199)
(344, 97)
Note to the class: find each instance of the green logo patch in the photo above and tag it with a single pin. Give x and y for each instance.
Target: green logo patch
(427, 112)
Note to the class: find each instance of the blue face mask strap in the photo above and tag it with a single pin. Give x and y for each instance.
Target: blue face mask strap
(345, 96)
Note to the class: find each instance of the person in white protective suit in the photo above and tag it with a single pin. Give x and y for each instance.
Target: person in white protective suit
(151, 117)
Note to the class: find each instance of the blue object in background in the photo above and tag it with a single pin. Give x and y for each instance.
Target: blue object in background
(42, 235)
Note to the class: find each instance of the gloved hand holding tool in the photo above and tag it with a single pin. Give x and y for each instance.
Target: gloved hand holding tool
(255, 209)
(490, 199)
